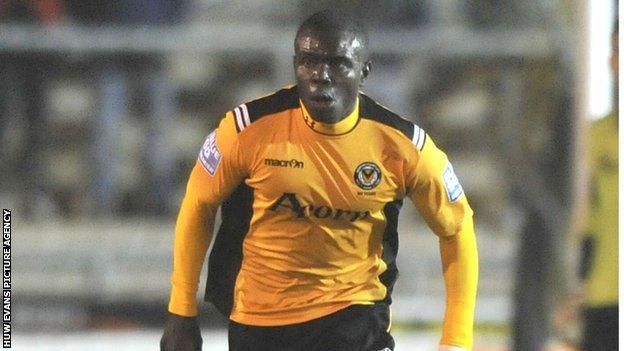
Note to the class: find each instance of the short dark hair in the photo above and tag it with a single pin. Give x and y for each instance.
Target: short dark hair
(334, 21)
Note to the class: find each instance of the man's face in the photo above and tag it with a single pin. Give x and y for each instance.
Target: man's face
(330, 68)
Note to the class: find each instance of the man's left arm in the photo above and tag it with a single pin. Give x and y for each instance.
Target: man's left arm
(460, 267)
(437, 193)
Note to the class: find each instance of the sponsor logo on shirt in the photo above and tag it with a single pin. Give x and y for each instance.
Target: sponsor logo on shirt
(367, 175)
(294, 163)
(209, 155)
(289, 201)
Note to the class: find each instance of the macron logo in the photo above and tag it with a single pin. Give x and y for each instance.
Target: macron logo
(283, 163)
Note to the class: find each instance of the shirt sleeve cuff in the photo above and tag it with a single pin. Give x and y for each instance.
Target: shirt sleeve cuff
(182, 303)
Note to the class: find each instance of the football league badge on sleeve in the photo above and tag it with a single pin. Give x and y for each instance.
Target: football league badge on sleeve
(367, 175)
(209, 156)
(454, 190)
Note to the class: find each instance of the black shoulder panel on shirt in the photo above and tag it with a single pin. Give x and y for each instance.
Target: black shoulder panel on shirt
(391, 247)
(281, 100)
(226, 257)
(369, 109)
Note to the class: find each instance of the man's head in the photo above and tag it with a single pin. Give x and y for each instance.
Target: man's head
(331, 63)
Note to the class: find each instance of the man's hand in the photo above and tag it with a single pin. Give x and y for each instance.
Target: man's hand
(450, 348)
(181, 334)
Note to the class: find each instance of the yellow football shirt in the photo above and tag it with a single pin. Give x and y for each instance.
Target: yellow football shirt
(602, 281)
(320, 229)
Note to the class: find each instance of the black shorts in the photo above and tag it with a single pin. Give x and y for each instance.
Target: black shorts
(355, 328)
(601, 329)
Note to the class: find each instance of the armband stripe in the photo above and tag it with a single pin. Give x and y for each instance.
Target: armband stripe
(419, 137)
(246, 119)
(239, 120)
(241, 114)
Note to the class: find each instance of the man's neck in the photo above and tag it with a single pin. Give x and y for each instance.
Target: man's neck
(341, 126)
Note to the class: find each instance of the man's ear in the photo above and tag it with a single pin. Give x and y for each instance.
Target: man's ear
(366, 69)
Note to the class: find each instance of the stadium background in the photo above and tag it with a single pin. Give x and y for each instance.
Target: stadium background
(104, 106)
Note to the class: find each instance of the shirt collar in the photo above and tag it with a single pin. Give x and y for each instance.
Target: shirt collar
(343, 126)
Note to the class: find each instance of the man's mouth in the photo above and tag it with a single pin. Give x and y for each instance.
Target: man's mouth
(323, 98)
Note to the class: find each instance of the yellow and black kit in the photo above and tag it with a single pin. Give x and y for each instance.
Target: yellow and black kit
(310, 214)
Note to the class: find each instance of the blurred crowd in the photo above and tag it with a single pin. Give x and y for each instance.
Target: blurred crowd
(96, 129)
(90, 12)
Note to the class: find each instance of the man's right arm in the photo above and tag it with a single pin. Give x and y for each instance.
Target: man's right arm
(193, 233)
(218, 170)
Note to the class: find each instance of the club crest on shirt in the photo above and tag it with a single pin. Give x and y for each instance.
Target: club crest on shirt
(453, 189)
(367, 175)
(209, 155)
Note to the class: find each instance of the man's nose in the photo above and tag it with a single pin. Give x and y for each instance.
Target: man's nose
(320, 73)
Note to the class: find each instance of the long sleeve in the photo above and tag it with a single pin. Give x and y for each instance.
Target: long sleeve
(218, 170)
(439, 197)
(460, 267)
(193, 233)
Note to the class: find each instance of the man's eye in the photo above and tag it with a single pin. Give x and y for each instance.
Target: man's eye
(305, 61)
(339, 64)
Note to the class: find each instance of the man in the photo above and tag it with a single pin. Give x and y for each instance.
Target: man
(600, 246)
(311, 179)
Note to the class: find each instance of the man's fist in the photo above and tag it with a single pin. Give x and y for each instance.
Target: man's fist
(181, 334)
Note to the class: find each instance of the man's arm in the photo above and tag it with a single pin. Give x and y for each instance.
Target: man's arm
(438, 195)
(218, 170)
(460, 267)
(193, 233)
